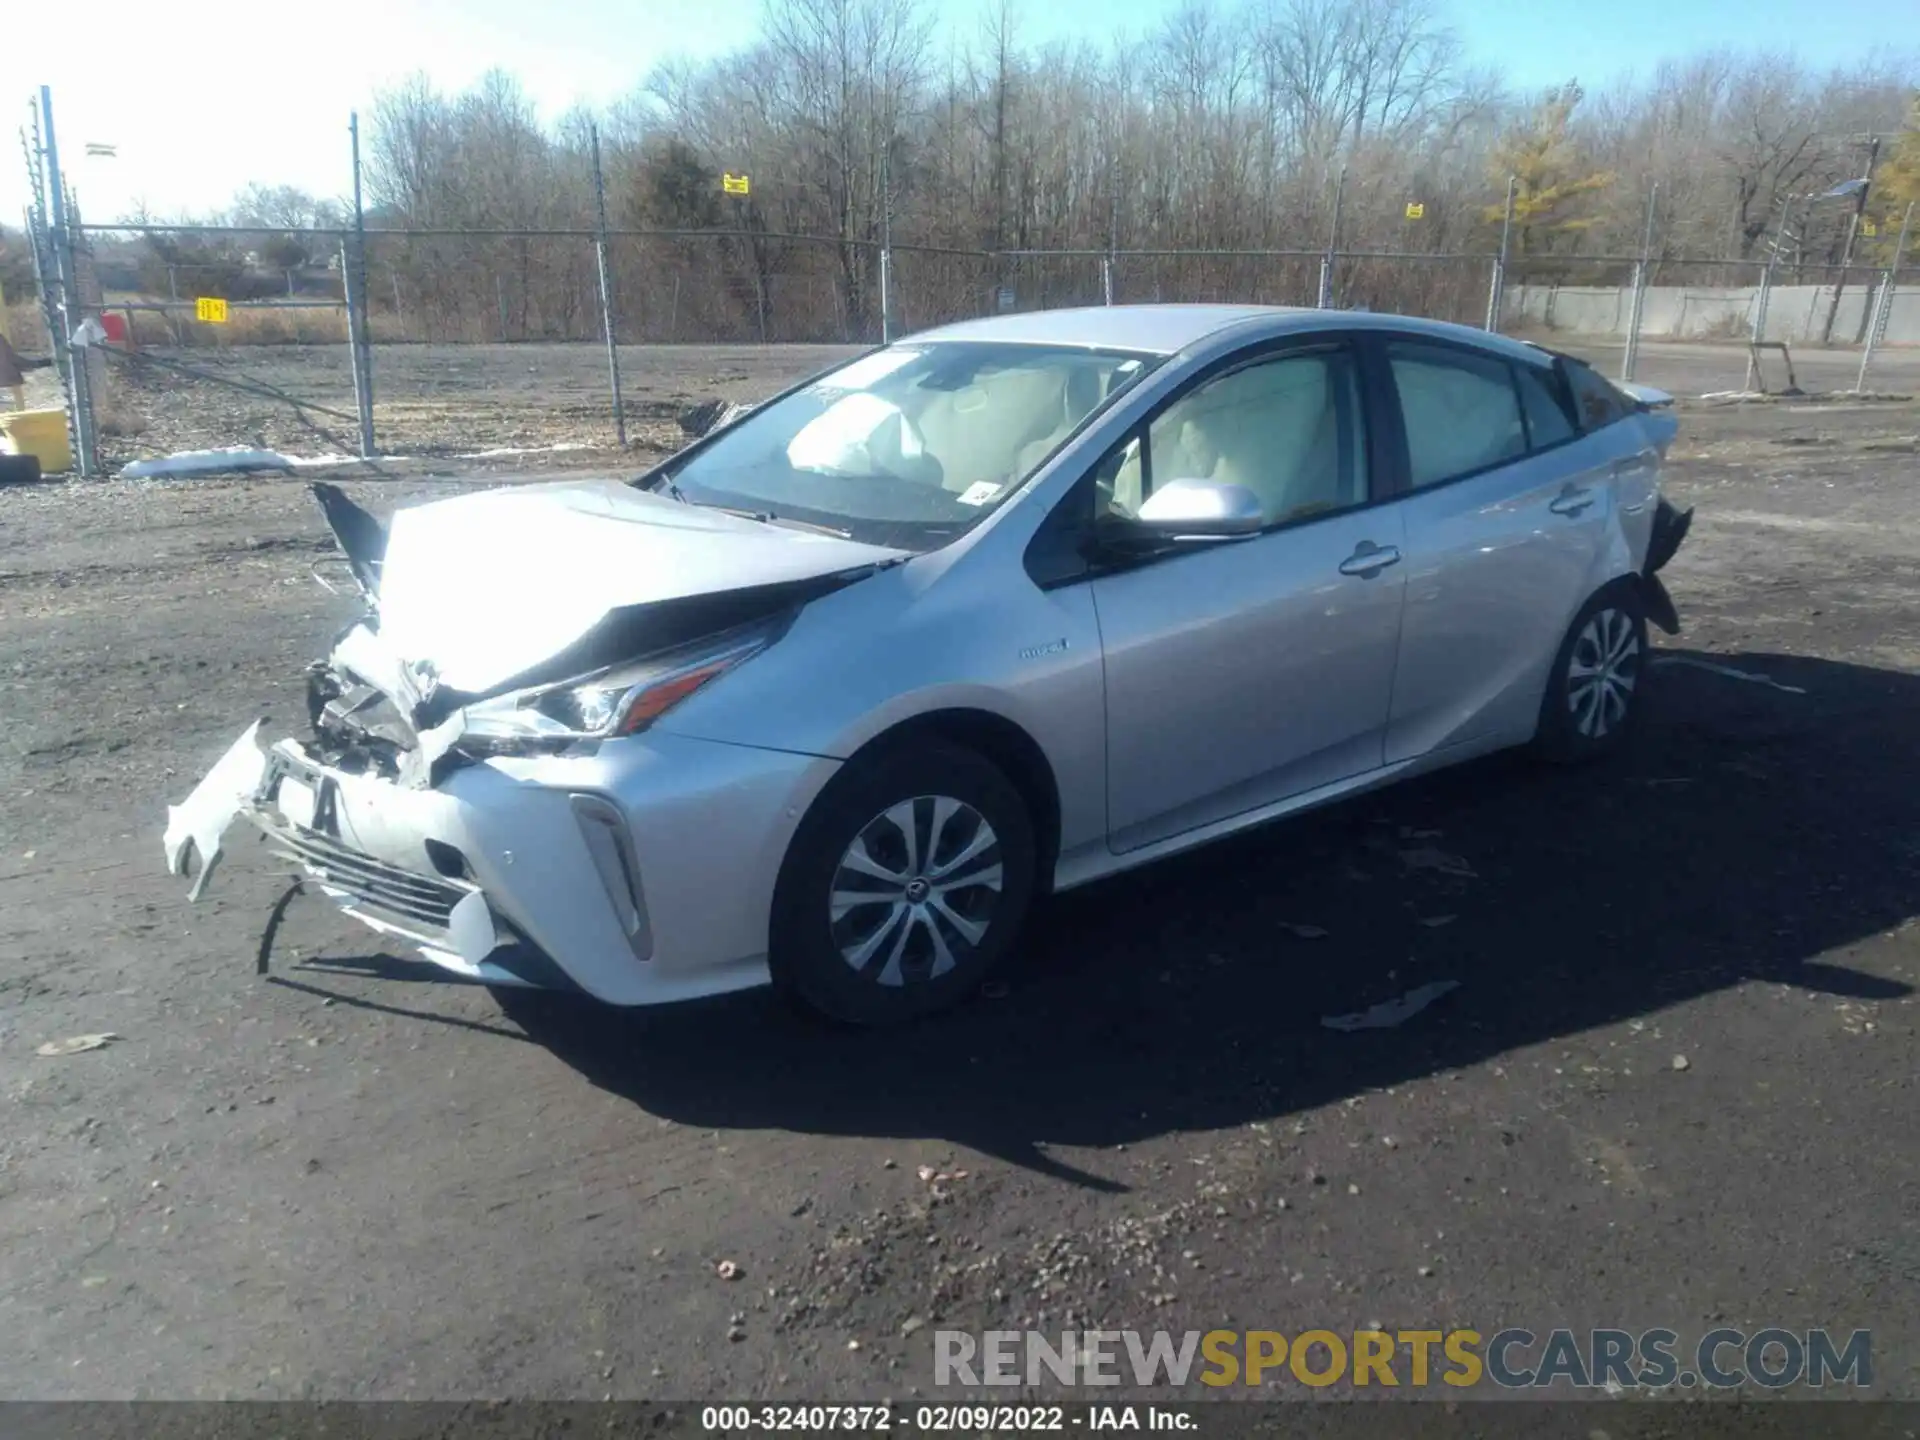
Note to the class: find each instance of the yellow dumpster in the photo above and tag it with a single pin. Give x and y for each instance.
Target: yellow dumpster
(37, 432)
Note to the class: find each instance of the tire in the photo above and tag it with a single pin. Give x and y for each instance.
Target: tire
(1593, 691)
(938, 927)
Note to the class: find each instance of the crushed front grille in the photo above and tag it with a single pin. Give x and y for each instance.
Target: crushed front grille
(419, 905)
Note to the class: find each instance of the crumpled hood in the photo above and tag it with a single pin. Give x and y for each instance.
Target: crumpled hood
(483, 587)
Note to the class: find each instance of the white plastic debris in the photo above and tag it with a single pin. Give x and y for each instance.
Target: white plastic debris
(1389, 1013)
(76, 1044)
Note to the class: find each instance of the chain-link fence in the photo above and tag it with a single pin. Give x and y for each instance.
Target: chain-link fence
(376, 336)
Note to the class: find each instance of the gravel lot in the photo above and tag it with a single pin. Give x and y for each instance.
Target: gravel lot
(1675, 1086)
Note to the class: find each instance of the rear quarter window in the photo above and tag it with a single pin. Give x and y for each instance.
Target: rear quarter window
(1596, 400)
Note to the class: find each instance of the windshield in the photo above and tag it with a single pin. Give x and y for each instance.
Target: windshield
(909, 446)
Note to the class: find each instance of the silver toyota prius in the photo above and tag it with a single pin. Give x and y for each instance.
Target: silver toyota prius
(831, 698)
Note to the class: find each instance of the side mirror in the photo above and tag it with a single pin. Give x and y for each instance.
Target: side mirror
(1201, 510)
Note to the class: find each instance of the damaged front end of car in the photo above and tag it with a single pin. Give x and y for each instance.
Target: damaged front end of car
(417, 805)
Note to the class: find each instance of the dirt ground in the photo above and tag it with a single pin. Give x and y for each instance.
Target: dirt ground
(1675, 1087)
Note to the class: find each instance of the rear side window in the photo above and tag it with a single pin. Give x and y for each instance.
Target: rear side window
(1461, 410)
(1597, 402)
(1548, 423)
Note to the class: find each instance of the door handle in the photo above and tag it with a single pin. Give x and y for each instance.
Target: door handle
(1571, 501)
(1369, 559)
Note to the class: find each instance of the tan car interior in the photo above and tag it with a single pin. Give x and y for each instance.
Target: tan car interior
(1458, 421)
(1032, 408)
(1273, 428)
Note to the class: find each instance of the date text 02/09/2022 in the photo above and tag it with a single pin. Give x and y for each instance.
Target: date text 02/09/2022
(936, 1419)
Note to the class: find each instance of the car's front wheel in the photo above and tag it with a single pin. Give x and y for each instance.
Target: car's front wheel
(905, 885)
(1593, 693)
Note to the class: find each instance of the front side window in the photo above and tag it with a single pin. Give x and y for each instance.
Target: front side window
(1461, 410)
(1288, 429)
(909, 446)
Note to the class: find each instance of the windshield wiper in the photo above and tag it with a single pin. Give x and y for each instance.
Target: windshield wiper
(665, 485)
(768, 517)
(833, 530)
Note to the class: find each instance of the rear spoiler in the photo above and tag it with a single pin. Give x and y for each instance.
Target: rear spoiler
(1644, 397)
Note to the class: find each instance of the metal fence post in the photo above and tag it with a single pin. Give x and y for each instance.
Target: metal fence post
(353, 273)
(1758, 332)
(1496, 288)
(606, 289)
(1106, 278)
(886, 242)
(350, 293)
(1635, 311)
(1883, 304)
(1325, 301)
(67, 308)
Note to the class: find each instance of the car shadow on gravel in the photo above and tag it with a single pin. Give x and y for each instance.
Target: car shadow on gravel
(1748, 832)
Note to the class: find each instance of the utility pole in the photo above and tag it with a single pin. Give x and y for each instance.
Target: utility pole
(1853, 231)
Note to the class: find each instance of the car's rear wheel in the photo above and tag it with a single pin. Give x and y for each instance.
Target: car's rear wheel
(1593, 693)
(905, 885)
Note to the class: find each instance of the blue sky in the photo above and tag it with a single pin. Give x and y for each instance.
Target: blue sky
(198, 109)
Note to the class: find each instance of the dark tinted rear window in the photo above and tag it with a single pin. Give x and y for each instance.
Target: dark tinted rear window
(1595, 399)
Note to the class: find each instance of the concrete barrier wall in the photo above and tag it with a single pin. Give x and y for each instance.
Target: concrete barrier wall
(1795, 313)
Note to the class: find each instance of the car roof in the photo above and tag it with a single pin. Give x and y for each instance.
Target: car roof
(1169, 329)
(1150, 329)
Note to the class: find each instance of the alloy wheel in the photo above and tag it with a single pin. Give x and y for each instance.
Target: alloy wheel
(916, 890)
(1602, 672)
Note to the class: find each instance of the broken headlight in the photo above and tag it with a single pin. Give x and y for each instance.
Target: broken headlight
(621, 700)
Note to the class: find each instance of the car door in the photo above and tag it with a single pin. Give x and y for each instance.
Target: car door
(1506, 513)
(1241, 672)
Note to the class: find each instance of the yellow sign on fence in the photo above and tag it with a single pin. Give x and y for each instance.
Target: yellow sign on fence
(211, 309)
(1416, 210)
(734, 184)
(1869, 229)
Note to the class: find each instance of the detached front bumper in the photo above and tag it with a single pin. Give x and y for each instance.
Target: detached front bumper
(639, 874)
(1670, 526)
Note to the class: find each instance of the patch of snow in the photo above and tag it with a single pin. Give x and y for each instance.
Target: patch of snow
(525, 450)
(241, 458)
(234, 458)
(205, 462)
